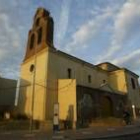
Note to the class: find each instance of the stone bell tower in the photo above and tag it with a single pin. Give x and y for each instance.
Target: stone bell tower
(41, 34)
(34, 68)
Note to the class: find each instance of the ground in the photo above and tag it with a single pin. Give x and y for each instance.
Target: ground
(129, 132)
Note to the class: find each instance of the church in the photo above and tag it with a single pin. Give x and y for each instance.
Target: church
(56, 84)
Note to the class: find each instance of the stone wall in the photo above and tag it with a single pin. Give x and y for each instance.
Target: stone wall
(95, 103)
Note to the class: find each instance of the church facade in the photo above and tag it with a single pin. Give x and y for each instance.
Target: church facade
(78, 90)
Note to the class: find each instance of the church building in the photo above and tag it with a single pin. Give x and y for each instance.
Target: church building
(56, 84)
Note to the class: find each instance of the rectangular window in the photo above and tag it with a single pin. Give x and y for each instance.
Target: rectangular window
(69, 73)
(133, 83)
(89, 78)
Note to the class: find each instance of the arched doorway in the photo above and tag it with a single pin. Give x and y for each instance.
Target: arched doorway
(106, 106)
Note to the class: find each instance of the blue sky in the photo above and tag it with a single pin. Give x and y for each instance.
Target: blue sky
(93, 30)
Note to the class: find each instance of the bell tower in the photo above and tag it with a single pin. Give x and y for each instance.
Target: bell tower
(41, 34)
(35, 69)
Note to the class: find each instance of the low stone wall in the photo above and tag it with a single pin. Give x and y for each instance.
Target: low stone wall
(107, 122)
(17, 125)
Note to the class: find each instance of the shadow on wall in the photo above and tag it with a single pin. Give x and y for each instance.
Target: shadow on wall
(85, 110)
(24, 98)
(68, 122)
(7, 95)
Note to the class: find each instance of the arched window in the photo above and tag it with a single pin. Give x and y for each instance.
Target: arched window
(32, 41)
(39, 36)
(37, 21)
(49, 34)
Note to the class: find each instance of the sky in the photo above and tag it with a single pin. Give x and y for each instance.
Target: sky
(93, 30)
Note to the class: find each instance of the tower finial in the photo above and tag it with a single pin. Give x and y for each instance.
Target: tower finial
(41, 12)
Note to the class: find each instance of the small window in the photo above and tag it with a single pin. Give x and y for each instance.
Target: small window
(32, 67)
(89, 78)
(32, 41)
(133, 83)
(39, 35)
(69, 73)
